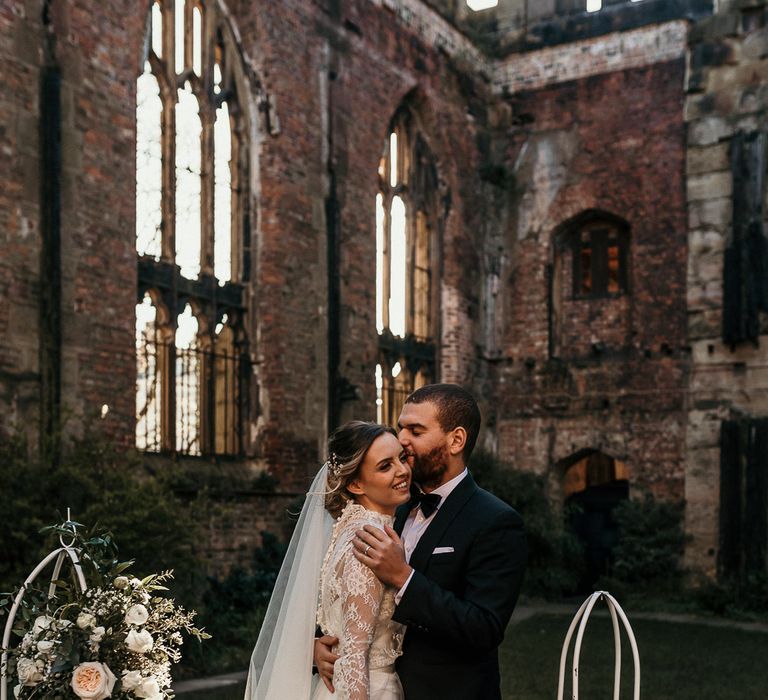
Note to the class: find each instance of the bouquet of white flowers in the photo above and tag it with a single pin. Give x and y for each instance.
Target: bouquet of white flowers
(117, 639)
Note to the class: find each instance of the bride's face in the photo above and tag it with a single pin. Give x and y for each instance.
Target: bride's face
(384, 478)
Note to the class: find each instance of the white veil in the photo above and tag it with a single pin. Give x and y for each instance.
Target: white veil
(281, 665)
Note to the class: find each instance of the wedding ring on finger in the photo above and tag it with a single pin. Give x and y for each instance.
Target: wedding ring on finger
(365, 552)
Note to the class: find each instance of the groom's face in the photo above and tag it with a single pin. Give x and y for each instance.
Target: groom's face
(424, 442)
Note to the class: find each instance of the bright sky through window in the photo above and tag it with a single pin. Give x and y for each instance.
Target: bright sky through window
(222, 206)
(149, 165)
(187, 383)
(477, 5)
(148, 389)
(393, 159)
(197, 41)
(179, 42)
(594, 5)
(157, 30)
(380, 263)
(188, 130)
(397, 269)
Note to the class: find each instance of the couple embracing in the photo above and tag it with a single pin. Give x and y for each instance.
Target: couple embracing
(402, 573)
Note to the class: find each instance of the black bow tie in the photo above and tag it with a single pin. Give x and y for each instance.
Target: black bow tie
(427, 501)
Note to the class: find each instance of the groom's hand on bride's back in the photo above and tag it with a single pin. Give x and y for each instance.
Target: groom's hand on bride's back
(323, 659)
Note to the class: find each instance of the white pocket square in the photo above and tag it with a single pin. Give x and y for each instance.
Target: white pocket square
(442, 550)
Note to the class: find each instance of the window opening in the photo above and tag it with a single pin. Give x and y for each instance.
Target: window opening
(478, 5)
(191, 222)
(149, 385)
(599, 260)
(149, 164)
(222, 207)
(197, 41)
(188, 183)
(405, 216)
(157, 30)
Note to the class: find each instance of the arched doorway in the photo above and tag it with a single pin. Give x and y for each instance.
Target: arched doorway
(593, 485)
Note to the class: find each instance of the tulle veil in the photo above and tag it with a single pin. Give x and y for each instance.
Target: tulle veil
(281, 664)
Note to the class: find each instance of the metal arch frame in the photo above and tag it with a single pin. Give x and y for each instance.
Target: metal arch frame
(581, 618)
(59, 555)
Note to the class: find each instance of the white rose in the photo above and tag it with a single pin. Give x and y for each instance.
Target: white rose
(135, 582)
(136, 615)
(131, 680)
(139, 641)
(148, 688)
(121, 582)
(45, 647)
(97, 634)
(43, 622)
(28, 672)
(93, 681)
(85, 620)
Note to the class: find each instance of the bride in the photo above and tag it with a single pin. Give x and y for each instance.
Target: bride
(322, 584)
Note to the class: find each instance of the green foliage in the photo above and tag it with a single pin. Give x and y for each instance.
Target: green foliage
(678, 660)
(647, 557)
(101, 486)
(555, 557)
(735, 598)
(234, 608)
(156, 527)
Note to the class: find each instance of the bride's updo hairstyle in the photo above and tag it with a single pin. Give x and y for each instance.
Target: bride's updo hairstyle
(347, 447)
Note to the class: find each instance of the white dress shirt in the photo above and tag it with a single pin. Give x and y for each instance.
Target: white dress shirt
(416, 524)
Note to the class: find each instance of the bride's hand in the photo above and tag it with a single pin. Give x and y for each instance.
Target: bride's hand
(323, 659)
(383, 552)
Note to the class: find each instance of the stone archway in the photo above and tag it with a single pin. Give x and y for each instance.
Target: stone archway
(593, 484)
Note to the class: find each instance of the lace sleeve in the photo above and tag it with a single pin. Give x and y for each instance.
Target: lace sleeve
(361, 596)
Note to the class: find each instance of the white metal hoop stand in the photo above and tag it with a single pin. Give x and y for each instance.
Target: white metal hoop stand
(60, 554)
(580, 619)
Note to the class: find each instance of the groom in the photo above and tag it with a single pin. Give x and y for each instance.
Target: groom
(457, 564)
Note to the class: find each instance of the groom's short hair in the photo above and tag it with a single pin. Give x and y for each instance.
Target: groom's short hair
(455, 407)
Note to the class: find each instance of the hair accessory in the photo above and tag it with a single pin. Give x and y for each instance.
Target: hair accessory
(334, 466)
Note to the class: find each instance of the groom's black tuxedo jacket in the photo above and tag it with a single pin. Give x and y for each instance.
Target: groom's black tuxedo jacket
(460, 597)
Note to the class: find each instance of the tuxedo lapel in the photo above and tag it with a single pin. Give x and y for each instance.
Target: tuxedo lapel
(443, 518)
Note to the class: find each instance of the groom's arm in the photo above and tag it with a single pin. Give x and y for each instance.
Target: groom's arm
(492, 580)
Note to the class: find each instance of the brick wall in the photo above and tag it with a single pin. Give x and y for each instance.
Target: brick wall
(615, 380)
(523, 143)
(333, 80)
(21, 32)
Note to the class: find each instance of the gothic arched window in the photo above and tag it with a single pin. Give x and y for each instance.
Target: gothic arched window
(191, 225)
(406, 226)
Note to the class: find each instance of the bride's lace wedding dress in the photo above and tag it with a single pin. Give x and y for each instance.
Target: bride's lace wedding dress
(357, 608)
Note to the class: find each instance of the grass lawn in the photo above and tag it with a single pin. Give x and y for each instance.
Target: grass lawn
(678, 661)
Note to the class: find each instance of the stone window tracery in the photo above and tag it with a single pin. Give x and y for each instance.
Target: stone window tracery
(406, 225)
(191, 225)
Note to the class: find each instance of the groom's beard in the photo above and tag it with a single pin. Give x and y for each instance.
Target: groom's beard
(428, 469)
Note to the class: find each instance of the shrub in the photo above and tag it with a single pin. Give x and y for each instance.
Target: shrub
(101, 486)
(647, 557)
(738, 598)
(233, 610)
(555, 557)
